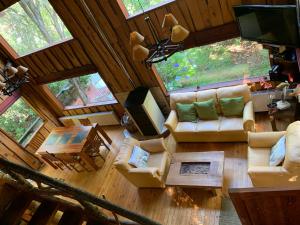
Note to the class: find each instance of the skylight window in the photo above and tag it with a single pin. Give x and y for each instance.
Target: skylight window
(30, 25)
(135, 7)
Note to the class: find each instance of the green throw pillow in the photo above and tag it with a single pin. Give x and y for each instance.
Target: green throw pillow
(206, 110)
(232, 106)
(186, 112)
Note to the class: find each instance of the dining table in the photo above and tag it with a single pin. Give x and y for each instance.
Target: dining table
(72, 141)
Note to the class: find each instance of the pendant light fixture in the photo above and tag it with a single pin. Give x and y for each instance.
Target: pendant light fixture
(12, 78)
(162, 49)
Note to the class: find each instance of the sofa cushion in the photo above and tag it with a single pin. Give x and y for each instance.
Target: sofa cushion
(186, 127)
(235, 91)
(121, 161)
(292, 155)
(231, 124)
(258, 156)
(206, 95)
(206, 110)
(278, 152)
(232, 106)
(139, 157)
(185, 98)
(186, 112)
(156, 160)
(208, 125)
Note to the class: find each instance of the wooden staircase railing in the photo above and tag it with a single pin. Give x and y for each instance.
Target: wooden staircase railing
(34, 183)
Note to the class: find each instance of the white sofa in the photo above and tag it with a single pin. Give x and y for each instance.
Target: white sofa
(224, 129)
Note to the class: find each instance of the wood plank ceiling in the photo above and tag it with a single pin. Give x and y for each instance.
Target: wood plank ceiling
(88, 48)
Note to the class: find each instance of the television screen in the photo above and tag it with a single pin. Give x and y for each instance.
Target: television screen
(269, 24)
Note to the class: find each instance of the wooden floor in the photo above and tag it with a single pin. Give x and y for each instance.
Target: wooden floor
(167, 206)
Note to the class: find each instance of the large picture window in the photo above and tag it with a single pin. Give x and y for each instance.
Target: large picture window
(29, 25)
(20, 121)
(224, 61)
(81, 91)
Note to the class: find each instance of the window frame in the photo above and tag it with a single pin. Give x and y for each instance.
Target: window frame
(7, 103)
(58, 104)
(11, 51)
(129, 17)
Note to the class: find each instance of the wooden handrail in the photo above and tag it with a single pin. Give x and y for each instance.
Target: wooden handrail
(77, 193)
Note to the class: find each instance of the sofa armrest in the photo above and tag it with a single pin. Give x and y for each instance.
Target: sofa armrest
(264, 139)
(154, 145)
(248, 117)
(153, 171)
(172, 121)
(267, 170)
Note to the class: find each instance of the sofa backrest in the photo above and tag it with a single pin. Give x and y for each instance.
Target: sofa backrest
(185, 98)
(235, 91)
(121, 161)
(292, 155)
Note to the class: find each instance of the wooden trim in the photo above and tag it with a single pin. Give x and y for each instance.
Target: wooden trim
(212, 35)
(123, 8)
(112, 102)
(34, 133)
(55, 44)
(67, 74)
(160, 81)
(52, 97)
(8, 49)
(150, 9)
(9, 101)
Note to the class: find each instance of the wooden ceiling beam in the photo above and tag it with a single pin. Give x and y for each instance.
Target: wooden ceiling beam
(66, 74)
(212, 35)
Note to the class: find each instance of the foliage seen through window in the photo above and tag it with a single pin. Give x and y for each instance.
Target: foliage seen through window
(29, 25)
(80, 91)
(134, 7)
(219, 62)
(20, 121)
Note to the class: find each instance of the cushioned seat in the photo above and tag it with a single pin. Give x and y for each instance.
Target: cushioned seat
(208, 125)
(186, 127)
(224, 129)
(231, 123)
(258, 156)
(154, 174)
(283, 175)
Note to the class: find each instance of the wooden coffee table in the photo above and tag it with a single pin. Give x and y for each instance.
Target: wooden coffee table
(203, 170)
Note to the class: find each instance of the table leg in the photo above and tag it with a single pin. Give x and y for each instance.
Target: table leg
(273, 122)
(216, 192)
(104, 134)
(49, 162)
(88, 160)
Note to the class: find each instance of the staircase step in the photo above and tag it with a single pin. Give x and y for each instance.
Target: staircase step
(15, 210)
(71, 217)
(44, 213)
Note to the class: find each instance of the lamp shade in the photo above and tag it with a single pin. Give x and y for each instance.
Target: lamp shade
(179, 33)
(169, 21)
(2, 79)
(2, 85)
(139, 53)
(12, 71)
(136, 38)
(22, 69)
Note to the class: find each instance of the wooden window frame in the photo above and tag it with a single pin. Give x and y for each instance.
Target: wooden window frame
(76, 72)
(6, 104)
(129, 17)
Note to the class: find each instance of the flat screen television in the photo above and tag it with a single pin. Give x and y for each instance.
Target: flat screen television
(271, 24)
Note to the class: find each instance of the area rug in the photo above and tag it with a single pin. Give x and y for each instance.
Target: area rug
(228, 215)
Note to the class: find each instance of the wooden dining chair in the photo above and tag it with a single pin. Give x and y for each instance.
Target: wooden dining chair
(93, 149)
(74, 161)
(55, 162)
